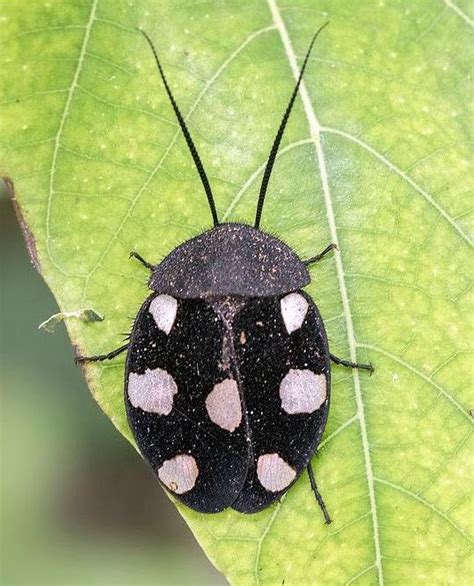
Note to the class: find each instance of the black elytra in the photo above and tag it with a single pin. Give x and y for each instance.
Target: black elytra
(227, 378)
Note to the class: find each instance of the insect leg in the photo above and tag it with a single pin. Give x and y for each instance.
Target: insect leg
(320, 255)
(319, 498)
(101, 357)
(350, 364)
(139, 257)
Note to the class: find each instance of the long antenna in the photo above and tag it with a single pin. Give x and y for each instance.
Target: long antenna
(279, 135)
(187, 136)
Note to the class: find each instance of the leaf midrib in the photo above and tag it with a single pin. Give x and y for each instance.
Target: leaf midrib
(315, 132)
(459, 12)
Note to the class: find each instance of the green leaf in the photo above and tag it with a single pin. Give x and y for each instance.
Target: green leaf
(375, 158)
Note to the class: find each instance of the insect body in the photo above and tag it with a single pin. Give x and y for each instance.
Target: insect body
(227, 387)
(227, 379)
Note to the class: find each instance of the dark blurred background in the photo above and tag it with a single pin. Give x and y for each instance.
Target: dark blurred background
(78, 506)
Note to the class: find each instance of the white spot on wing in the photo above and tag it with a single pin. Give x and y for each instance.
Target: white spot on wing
(274, 473)
(294, 308)
(179, 474)
(152, 391)
(223, 405)
(163, 309)
(302, 391)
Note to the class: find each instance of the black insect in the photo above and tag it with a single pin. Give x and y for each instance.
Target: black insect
(227, 378)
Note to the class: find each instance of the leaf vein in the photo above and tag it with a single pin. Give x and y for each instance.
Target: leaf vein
(426, 503)
(360, 574)
(114, 105)
(459, 12)
(315, 130)
(400, 173)
(62, 123)
(247, 184)
(426, 378)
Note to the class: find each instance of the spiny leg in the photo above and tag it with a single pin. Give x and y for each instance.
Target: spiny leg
(320, 255)
(101, 357)
(139, 257)
(350, 364)
(317, 494)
